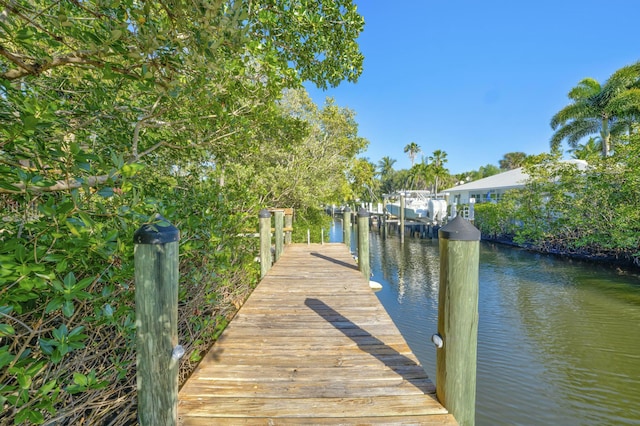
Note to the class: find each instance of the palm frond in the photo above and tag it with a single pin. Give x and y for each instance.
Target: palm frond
(585, 89)
(571, 112)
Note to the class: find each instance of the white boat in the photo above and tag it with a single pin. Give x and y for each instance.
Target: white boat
(420, 205)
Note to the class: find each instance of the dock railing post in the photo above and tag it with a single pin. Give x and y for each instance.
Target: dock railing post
(265, 241)
(402, 203)
(346, 228)
(363, 243)
(288, 224)
(156, 294)
(279, 219)
(457, 338)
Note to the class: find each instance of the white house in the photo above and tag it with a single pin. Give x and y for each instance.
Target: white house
(492, 188)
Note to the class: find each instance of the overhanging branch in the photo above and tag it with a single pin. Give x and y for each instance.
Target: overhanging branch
(60, 185)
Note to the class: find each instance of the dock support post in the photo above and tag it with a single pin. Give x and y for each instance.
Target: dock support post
(346, 228)
(156, 293)
(265, 241)
(288, 224)
(402, 203)
(384, 229)
(457, 337)
(279, 219)
(363, 243)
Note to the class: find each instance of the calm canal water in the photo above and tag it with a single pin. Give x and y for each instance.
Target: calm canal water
(558, 341)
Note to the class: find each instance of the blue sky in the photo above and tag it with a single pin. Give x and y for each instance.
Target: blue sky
(478, 78)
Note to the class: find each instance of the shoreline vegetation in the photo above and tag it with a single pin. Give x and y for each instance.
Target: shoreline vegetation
(591, 215)
(114, 111)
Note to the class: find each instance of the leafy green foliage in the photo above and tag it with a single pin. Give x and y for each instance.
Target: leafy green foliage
(112, 111)
(589, 212)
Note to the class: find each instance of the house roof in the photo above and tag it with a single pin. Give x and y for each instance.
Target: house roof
(510, 179)
(515, 178)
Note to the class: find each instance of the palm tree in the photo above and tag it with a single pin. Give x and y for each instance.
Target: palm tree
(588, 150)
(412, 150)
(385, 166)
(512, 160)
(604, 109)
(437, 159)
(387, 174)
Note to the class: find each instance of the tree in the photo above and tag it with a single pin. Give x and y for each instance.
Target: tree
(590, 150)
(602, 109)
(420, 175)
(144, 78)
(412, 149)
(386, 173)
(437, 160)
(385, 166)
(512, 160)
(362, 177)
(309, 154)
(112, 111)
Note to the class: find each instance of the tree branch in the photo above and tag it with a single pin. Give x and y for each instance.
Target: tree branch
(60, 185)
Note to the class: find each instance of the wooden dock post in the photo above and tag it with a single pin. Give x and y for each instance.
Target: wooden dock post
(156, 292)
(457, 337)
(402, 203)
(279, 219)
(288, 224)
(346, 228)
(265, 241)
(363, 243)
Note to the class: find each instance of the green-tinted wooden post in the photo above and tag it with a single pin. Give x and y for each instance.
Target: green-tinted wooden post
(156, 292)
(457, 337)
(346, 228)
(279, 219)
(363, 243)
(265, 241)
(402, 203)
(288, 224)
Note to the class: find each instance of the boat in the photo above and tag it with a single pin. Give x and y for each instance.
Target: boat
(419, 205)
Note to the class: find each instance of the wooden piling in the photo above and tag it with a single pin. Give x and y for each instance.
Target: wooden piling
(279, 226)
(156, 294)
(456, 357)
(402, 203)
(346, 228)
(363, 243)
(288, 224)
(265, 241)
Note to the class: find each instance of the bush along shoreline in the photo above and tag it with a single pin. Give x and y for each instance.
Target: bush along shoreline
(591, 215)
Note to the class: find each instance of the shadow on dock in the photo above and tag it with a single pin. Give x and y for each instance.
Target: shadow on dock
(407, 368)
(336, 261)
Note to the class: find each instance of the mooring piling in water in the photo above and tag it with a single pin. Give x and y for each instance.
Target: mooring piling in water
(156, 296)
(402, 205)
(457, 338)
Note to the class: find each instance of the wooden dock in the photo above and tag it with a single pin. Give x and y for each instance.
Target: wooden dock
(312, 345)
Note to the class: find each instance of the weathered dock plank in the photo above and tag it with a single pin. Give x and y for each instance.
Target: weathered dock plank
(312, 345)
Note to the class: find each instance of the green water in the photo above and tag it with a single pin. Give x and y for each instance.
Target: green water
(558, 341)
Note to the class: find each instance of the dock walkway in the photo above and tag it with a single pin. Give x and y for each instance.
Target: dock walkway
(311, 345)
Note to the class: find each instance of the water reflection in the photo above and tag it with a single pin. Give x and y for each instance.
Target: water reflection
(559, 341)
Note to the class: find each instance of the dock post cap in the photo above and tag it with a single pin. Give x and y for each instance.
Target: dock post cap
(157, 231)
(264, 213)
(362, 212)
(459, 229)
